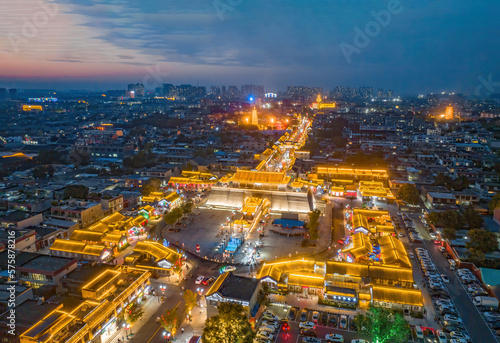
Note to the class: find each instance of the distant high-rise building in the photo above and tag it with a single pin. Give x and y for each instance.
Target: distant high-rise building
(168, 90)
(3, 93)
(137, 89)
(223, 90)
(13, 93)
(159, 91)
(214, 90)
(233, 92)
(254, 91)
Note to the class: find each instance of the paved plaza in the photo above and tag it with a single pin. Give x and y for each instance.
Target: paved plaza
(203, 228)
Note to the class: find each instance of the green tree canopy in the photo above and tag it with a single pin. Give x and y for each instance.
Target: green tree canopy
(187, 207)
(314, 224)
(409, 193)
(133, 313)
(190, 299)
(172, 216)
(472, 218)
(447, 219)
(495, 202)
(229, 326)
(482, 240)
(383, 325)
(152, 185)
(449, 233)
(41, 172)
(170, 321)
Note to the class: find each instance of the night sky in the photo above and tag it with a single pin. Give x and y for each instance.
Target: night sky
(438, 45)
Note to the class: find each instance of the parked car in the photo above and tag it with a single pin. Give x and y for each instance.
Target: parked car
(333, 321)
(343, 321)
(459, 334)
(308, 332)
(418, 332)
(334, 337)
(207, 281)
(445, 278)
(303, 315)
(448, 318)
(199, 279)
(315, 317)
(324, 318)
(265, 335)
(307, 325)
(310, 340)
(291, 314)
(441, 337)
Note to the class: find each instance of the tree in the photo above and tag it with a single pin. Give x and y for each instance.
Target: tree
(39, 172)
(170, 321)
(152, 185)
(476, 256)
(133, 314)
(495, 202)
(190, 299)
(76, 191)
(229, 326)
(449, 233)
(482, 240)
(409, 193)
(172, 216)
(447, 219)
(313, 224)
(187, 207)
(472, 218)
(383, 325)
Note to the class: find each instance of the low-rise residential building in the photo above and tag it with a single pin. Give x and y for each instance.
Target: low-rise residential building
(82, 212)
(232, 289)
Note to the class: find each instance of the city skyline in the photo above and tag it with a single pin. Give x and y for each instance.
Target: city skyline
(103, 46)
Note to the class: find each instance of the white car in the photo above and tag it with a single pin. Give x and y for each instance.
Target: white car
(265, 335)
(267, 322)
(199, 279)
(307, 325)
(452, 319)
(433, 235)
(444, 302)
(458, 334)
(441, 337)
(359, 340)
(310, 340)
(334, 337)
(315, 316)
(445, 278)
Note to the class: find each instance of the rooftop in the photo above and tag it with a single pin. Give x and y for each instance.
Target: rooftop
(48, 263)
(235, 287)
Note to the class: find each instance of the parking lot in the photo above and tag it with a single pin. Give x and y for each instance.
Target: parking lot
(325, 323)
(436, 266)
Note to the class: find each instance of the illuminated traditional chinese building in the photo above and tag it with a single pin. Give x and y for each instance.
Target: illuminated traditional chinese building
(94, 316)
(191, 179)
(154, 257)
(255, 117)
(355, 283)
(259, 179)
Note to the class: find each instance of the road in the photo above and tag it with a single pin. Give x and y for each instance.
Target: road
(475, 325)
